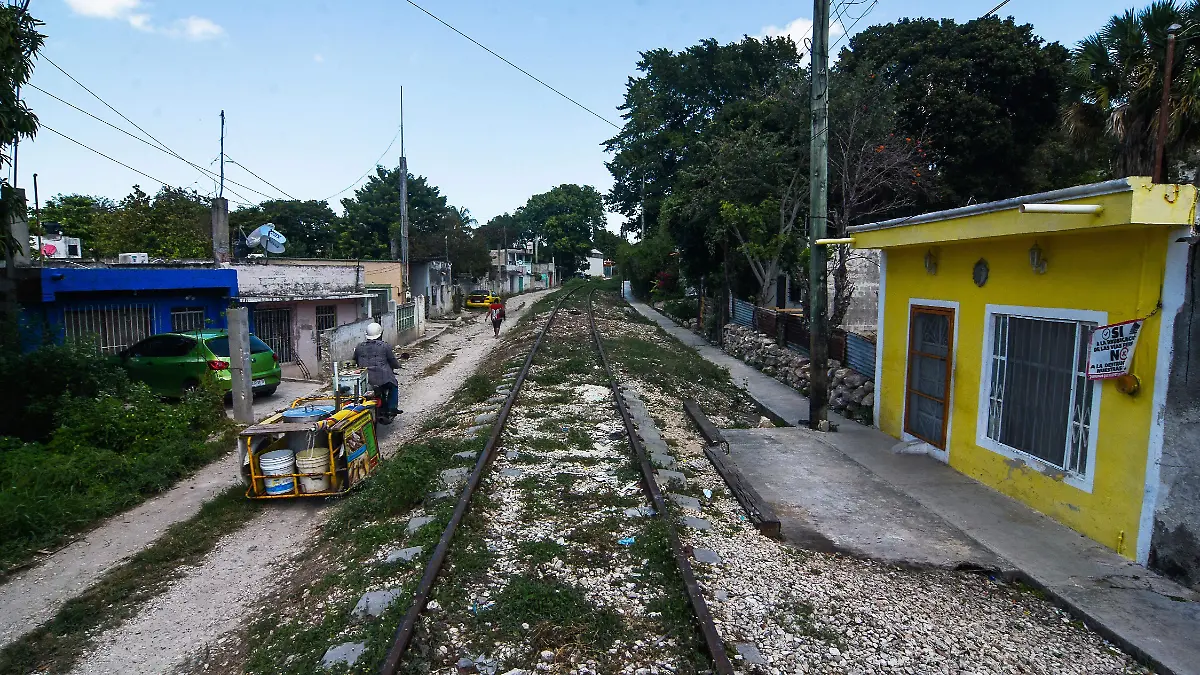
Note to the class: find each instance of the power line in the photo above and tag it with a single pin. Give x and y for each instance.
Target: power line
(526, 72)
(373, 166)
(846, 35)
(996, 8)
(142, 140)
(87, 147)
(232, 161)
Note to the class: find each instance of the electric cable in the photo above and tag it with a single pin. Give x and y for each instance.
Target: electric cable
(117, 161)
(209, 174)
(519, 68)
(236, 163)
(368, 171)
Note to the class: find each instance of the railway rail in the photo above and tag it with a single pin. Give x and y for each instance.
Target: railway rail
(718, 660)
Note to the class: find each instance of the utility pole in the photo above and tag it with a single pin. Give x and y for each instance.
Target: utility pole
(1164, 109)
(643, 205)
(403, 202)
(818, 212)
(221, 193)
(239, 365)
(37, 204)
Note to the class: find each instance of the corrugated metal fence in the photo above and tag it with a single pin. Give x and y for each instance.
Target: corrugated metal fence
(851, 349)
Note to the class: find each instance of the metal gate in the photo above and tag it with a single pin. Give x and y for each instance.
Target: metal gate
(274, 327)
(112, 327)
(406, 317)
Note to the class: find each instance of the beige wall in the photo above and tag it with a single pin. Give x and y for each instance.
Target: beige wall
(375, 272)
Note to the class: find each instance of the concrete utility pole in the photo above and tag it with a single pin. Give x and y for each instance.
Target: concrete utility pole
(818, 319)
(1164, 109)
(220, 230)
(239, 364)
(403, 202)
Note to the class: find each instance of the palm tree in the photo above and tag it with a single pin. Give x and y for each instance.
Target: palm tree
(1116, 78)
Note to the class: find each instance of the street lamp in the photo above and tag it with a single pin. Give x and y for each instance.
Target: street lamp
(1164, 110)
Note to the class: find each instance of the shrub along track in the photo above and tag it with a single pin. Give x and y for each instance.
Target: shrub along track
(562, 566)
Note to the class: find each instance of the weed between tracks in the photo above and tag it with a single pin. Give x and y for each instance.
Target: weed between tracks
(559, 568)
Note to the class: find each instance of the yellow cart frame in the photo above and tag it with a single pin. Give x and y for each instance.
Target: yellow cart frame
(350, 437)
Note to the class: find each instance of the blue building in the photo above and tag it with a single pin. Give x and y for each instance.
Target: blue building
(119, 306)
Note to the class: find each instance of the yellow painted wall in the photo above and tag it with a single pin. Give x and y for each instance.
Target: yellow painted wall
(1118, 271)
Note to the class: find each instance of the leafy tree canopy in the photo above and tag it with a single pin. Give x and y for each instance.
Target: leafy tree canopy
(310, 227)
(565, 219)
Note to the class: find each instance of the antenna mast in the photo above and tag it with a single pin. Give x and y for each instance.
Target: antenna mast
(221, 193)
(403, 199)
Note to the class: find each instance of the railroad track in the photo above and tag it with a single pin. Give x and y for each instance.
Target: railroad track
(542, 518)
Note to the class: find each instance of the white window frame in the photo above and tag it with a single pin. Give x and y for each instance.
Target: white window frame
(930, 449)
(1080, 481)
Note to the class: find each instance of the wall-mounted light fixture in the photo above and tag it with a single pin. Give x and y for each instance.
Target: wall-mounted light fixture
(1037, 260)
(931, 261)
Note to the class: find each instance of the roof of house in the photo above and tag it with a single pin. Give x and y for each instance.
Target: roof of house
(1133, 201)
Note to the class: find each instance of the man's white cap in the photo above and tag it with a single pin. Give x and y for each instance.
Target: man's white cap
(374, 331)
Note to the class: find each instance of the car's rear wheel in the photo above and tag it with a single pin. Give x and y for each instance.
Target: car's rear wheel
(268, 391)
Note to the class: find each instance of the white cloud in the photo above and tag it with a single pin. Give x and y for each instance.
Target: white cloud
(800, 31)
(194, 28)
(318, 58)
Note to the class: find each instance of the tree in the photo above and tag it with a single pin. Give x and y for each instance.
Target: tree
(607, 243)
(1116, 84)
(986, 94)
(19, 44)
(311, 227)
(672, 102)
(565, 219)
(175, 224)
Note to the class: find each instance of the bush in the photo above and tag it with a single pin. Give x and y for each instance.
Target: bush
(682, 309)
(82, 443)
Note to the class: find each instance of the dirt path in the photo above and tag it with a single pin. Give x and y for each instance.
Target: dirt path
(210, 599)
(33, 596)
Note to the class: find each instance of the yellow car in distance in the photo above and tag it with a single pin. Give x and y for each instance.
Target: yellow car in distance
(480, 299)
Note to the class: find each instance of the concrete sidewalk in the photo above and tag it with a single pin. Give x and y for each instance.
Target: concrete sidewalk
(878, 491)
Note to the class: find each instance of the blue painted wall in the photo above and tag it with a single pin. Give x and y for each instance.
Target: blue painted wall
(66, 289)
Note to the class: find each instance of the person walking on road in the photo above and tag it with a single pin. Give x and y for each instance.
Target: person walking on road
(379, 359)
(496, 313)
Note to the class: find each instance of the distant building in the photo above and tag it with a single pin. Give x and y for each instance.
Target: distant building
(432, 280)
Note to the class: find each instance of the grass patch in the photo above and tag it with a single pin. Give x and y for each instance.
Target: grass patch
(478, 388)
(560, 618)
(54, 647)
(436, 367)
(661, 570)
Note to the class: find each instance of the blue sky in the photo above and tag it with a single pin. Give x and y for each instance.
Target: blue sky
(311, 89)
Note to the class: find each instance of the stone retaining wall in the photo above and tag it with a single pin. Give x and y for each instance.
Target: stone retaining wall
(851, 393)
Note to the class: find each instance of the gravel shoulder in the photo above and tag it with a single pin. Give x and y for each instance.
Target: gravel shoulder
(211, 599)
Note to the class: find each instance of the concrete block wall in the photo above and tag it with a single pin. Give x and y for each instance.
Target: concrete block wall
(267, 280)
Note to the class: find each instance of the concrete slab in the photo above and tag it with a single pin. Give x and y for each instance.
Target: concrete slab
(375, 603)
(512, 473)
(828, 502)
(662, 461)
(705, 555)
(346, 653)
(1147, 615)
(418, 522)
(669, 479)
(403, 554)
(454, 477)
(695, 523)
(485, 418)
(639, 512)
(685, 502)
(750, 654)
(466, 454)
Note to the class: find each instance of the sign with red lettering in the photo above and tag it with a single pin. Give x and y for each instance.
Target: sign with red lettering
(1110, 349)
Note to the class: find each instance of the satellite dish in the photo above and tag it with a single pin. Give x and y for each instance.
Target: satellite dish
(268, 237)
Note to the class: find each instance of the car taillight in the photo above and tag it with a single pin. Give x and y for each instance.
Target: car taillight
(275, 356)
(218, 365)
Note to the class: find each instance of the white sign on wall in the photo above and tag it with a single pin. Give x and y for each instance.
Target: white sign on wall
(1110, 349)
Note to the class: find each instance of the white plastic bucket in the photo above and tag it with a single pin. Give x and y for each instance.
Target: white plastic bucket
(278, 463)
(315, 460)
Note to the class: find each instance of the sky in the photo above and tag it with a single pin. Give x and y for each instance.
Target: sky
(311, 89)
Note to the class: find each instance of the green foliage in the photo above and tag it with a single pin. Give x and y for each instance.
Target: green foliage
(640, 263)
(81, 443)
(986, 94)
(1116, 84)
(682, 309)
(176, 223)
(19, 45)
(565, 219)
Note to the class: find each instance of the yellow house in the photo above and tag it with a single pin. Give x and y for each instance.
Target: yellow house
(990, 317)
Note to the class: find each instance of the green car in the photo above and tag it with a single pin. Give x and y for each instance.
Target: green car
(172, 363)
